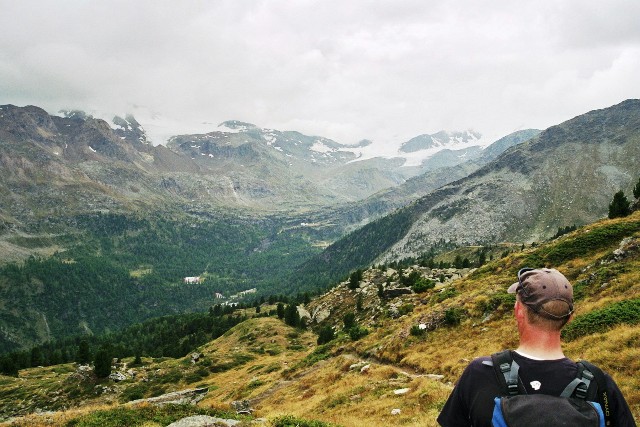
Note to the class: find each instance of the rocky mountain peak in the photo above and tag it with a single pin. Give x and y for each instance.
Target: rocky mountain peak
(235, 126)
(442, 139)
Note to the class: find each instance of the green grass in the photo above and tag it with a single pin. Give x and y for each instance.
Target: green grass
(137, 416)
(627, 312)
(291, 421)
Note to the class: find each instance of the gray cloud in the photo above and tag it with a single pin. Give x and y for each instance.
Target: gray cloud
(381, 70)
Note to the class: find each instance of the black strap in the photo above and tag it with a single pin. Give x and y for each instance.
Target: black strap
(507, 373)
(600, 393)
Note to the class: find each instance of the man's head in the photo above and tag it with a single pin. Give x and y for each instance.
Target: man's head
(546, 292)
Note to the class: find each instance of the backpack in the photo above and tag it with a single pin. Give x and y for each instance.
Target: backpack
(576, 405)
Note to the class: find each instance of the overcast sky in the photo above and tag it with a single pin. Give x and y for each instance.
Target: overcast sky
(346, 70)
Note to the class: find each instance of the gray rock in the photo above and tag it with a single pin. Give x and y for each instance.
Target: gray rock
(183, 397)
(203, 421)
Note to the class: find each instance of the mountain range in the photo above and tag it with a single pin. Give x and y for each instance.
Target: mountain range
(77, 193)
(55, 166)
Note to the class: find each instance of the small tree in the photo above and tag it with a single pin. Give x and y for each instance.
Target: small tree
(102, 364)
(354, 279)
(280, 310)
(349, 320)
(619, 206)
(291, 316)
(84, 355)
(325, 334)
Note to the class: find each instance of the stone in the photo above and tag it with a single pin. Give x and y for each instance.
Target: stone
(117, 376)
(321, 314)
(401, 391)
(184, 397)
(396, 411)
(242, 406)
(203, 421)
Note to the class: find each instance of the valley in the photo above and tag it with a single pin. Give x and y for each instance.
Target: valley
(113, 248)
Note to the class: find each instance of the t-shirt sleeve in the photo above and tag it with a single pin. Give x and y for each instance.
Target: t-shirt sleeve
(455, 412)
(622, 415)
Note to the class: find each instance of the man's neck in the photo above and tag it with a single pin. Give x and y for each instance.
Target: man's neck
(541, 345)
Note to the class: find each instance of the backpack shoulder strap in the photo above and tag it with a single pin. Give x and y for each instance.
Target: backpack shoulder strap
(506, 370)
(581, 387)
(599, 392)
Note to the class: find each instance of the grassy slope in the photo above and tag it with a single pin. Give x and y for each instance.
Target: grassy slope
(281, 371)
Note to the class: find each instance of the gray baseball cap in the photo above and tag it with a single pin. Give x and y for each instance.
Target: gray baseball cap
(536, 287)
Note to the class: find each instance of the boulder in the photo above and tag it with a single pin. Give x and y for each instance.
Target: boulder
(184, 397)
(396, 292)
(242, 406)
(117, 376)
(321, 314)
(203, 421)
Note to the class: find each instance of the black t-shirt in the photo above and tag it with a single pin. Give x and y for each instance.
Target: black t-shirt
(471, 402)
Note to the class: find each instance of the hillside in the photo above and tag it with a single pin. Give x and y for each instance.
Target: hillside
(398, 373)
(564, 176)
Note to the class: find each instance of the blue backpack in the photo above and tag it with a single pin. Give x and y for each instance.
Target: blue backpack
(576, 405)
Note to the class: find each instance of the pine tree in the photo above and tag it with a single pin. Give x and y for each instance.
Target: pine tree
(291, 316)
(619, 206)
(280, 310)
(84, 356)
(102, 363)
(636, 190)
(354, 279)
(349, 320)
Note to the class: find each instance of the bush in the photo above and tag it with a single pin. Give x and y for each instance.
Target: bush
(405, 309)
(601, 320)
(325, 334)
(446, 293)
(416, 331)
(453, 316)
(349, 320)
(358, 332)
(423, 285)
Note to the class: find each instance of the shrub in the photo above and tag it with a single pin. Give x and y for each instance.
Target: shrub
(446, 293)
(605, 318)
(358, 332)
(325, 334)
(453, 316)
(349, 320)
(423, 285)
(405, 309)
(416, 331)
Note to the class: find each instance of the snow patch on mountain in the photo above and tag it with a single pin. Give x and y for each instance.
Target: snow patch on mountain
(321, 147)
(418, 149)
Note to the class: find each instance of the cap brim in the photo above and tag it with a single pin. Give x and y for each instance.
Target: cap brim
(512, 289)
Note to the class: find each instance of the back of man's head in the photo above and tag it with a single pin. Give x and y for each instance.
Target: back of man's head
(548, 296)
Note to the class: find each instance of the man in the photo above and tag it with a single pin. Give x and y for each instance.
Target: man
(544, 304)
